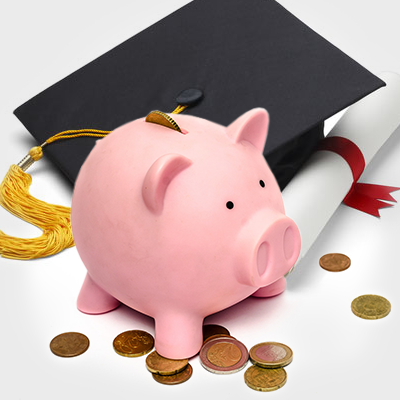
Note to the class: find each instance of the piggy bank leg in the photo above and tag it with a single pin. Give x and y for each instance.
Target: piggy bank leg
(94, 300)
(178, 336)
(271, 290)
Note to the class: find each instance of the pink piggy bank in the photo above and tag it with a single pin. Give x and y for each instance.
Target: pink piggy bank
(180, 225)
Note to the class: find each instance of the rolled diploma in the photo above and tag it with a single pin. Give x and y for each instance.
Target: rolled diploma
(316, 191)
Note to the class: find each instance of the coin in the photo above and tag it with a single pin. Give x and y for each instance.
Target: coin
(211, 330)
(271, 355)
(164, 366)
(160, 118)
(218, 335)
(334, 262)
(224, 355)
(265, 380)
(370, 306)
(175, 379)
(69, 344)
(133, 343)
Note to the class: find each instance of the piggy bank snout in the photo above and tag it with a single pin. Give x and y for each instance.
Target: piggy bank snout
(278, 248)
(273, 249)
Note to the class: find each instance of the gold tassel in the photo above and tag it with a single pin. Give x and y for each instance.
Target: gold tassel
(52, 219)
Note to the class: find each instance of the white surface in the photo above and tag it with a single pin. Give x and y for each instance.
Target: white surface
(325, 179)
(335, 353)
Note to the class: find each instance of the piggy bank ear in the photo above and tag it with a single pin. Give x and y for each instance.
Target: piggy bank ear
(158, 178)
(251, 127)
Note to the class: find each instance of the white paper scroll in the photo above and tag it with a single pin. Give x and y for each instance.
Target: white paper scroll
(316, 191)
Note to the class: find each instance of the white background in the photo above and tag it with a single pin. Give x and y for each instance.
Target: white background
(336, 354)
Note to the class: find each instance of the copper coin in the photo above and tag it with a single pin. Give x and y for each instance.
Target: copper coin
(175, 379)
(211, 330)
(334, 262)
(133, 343)
(224, 355)
(370, 306)
(164, 366)
(271, 355)
(69, 344)
(265, 380)
(218, 335)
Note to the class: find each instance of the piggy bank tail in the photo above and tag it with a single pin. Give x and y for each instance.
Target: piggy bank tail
(53, 220)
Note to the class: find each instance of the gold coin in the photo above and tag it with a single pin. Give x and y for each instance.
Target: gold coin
(160, 118)
(370, 306)
(133, 343)
(164, 366)
(271, 355)
(334, 262)
(224, 354)
(175, 379)
(69, 344)
(265, 380)
(211, 330)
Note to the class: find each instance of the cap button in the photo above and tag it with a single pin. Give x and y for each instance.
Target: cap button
(189, 97)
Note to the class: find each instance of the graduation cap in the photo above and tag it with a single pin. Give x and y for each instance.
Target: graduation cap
(218, 58)
(240, 54)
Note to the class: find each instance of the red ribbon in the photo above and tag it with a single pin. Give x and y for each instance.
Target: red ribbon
(361, 196)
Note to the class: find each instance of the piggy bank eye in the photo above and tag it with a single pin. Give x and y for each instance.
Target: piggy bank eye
(262, 184)
(229, 205)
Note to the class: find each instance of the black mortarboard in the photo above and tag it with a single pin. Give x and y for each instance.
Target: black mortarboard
(241, 54)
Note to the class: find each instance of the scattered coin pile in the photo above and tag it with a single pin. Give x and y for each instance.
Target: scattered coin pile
(223, 354)
(168, 371)
(368, 306)
(267, 373)
(220, 354)
(137, 343)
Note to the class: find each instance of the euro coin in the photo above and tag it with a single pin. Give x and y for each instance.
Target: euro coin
(211, 330)
(69, 344)
(334, 262)
(370, 306)
(175, 379)
(271, 355)
(224, 355)
(133, 343)
(164, 366)
(218, 335)
(265, 380)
